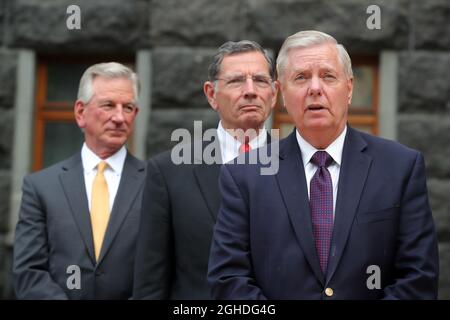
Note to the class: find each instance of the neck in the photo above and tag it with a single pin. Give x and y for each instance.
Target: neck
(320, 139)
(103, 153)
(243, 135)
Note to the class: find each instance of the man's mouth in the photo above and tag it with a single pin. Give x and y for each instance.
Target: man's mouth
(249, 107)
(315, 107)
(117, 131)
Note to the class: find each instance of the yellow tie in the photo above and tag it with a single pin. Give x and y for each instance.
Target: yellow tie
(99, 207)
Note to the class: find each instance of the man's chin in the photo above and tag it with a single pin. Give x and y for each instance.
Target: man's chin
(318, 123)
(116, 142)
(252, 123)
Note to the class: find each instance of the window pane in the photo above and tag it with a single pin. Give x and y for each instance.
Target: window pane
(62, 139)
(362, 88)
(364, 128)
(63, 80)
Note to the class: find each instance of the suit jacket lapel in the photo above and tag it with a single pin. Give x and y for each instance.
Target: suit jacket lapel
(131, 181)
(207, 176)
(292, 183)
(72, 181)
(352, 177)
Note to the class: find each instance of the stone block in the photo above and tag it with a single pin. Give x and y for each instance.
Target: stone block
(8, 63)
(427, 133)
(431, 24)
(270, 22)
(2, 19)
(424, 81)
(5, 192)
(444, 270)
(196, 22)
(178, 77)
(106, 26)
(439, 191)
(163, 122)
(6, 137)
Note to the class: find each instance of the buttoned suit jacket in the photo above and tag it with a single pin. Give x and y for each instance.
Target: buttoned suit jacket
(179, 210)
(383, 245)
(53, 249)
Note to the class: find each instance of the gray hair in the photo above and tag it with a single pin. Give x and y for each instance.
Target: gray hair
(231, 48)
(108, 70)
(309, 38)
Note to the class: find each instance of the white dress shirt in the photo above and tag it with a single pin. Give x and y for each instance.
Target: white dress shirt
(229, 146)
(334, 150)
(112, 172)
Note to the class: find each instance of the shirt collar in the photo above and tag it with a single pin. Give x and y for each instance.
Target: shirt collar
(334, 149)
(91, 160)
(230, 146)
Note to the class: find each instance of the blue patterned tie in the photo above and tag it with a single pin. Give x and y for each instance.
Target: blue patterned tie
(321, 203)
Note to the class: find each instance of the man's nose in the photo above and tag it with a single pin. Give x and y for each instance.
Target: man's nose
(249, 88)
(118, 115)
(315, 87)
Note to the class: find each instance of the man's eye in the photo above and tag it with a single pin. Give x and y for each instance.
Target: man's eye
(235, 80)
(300, 77)
(329, 76)
(129, 108)
(262, 80)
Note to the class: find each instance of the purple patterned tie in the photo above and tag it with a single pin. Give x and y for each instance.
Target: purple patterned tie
(321, 203)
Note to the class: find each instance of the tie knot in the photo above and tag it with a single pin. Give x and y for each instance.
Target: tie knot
(321, 159)
(102, 166)
(245, 147)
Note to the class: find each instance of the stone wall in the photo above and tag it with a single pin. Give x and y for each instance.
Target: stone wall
(182, 36)
(107, 26)
(424, 123)
(7, 91)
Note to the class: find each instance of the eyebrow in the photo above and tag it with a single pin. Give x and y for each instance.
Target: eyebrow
(105, 101)
(321, 68)
(244, 75)
(321, 71)
(133, 102)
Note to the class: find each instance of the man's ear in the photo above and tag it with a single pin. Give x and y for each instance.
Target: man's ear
(79, 110)
(276, 89)
(350, 90)
(210, 93)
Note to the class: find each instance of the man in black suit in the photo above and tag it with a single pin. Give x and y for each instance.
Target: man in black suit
(79, 218)
(180, 202)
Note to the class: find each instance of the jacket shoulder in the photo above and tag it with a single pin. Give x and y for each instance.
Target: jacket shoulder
(381, 146)
(55, 169)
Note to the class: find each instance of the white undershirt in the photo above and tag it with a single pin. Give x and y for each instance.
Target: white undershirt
(112, 172)
(334, 150)
(229, 146)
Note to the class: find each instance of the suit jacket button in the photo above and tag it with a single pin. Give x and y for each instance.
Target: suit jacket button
(98, 273)
(329, 292)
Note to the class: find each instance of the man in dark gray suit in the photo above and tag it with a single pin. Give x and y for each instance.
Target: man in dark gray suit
(79, 218)
(180, 202)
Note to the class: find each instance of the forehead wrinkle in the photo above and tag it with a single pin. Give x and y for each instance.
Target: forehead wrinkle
(240, 74)
(249, 62)
(324, 56)
(312, 66)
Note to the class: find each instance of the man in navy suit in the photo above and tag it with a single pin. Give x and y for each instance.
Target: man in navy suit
(347, 214)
